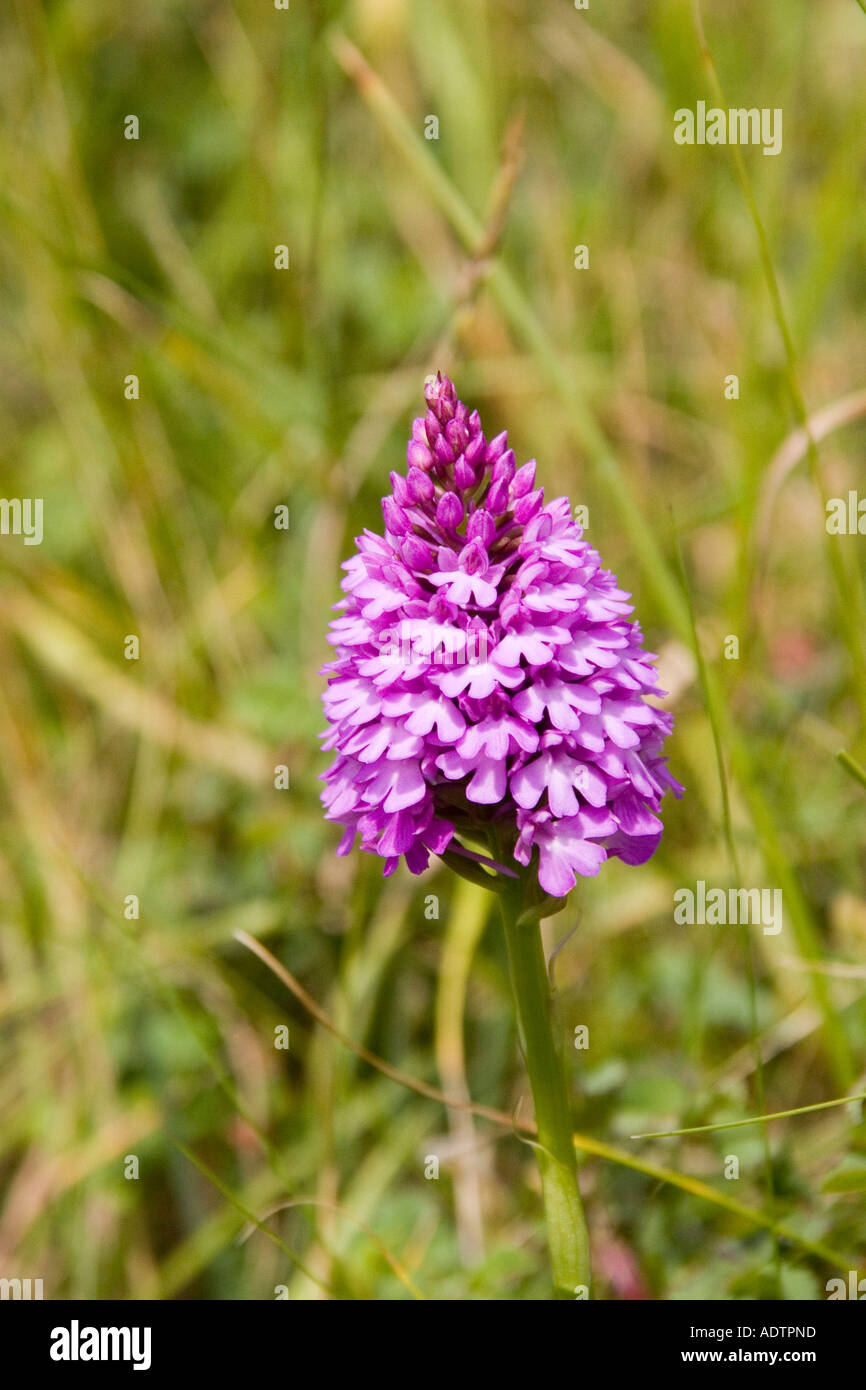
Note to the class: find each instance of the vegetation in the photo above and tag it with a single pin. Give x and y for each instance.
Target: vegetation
(167, 906)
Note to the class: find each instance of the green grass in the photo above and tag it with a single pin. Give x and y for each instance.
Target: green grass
(153, 1036)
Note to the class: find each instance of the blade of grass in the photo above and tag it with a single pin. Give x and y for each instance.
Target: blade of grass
(61, 647)
(752, 1120)
(854, 768)
(849, 587)
(390, 1259)
(250, 1216)
(748, 952)
(467, 919)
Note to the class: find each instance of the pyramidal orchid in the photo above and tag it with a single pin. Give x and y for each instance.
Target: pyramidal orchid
(488, 704)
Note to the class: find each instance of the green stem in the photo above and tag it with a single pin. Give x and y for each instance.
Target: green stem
(557, 1161)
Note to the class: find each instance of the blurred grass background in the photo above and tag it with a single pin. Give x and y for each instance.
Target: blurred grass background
(153, 1036)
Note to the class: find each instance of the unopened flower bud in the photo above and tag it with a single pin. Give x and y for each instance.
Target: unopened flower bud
(449, 511)
(396, 520)
(481, 527)
(523, 480)
(420, 485)
(497, 446)
(419, 456)
(464, 474)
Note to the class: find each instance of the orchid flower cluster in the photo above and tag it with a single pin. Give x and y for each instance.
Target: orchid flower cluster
(517, 714)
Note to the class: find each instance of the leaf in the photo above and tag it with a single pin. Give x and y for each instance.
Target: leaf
(850, 1177)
